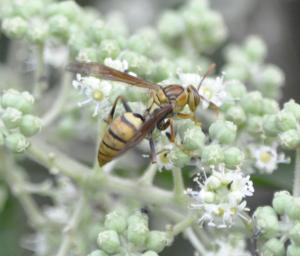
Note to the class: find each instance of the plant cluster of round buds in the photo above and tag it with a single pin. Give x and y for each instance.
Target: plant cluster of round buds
(16, 120)
(266, 158)
(279, 225)
(245, 63)
(233, 245)
(220, 198)
(129, 235)
(196, 23)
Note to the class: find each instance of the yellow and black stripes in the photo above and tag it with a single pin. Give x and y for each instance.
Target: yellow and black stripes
(119, 133)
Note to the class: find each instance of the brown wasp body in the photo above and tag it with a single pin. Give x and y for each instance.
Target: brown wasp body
(127, 130)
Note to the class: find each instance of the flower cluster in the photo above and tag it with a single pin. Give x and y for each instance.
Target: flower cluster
(16, 120)
(233, 245)
(219, 199)
(129, 235)
(279, 225)
(246, 63)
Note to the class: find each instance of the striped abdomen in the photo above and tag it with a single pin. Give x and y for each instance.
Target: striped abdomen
(120, 131)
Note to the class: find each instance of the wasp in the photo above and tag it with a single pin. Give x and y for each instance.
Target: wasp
(127, 130)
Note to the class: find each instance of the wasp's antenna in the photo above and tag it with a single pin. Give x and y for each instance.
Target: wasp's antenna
(210, 69)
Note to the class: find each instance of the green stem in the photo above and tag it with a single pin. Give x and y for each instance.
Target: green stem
(16, 182)
(149, 175)
(178, 188)
(70, 228)
(296, 187)
(57, 107)
(183, 225)
(39, 85)
(194, 240)
(52, 158)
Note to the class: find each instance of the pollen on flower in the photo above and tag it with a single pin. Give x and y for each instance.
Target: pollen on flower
(94, 91)
(266, 158)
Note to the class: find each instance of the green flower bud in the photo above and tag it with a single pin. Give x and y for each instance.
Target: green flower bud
(97, 253)
(162, 70)
(290, 139)
(223, 131)
(157, 241)
(294, 234)
(109, 49)
(293, 250)
(270, 125)
(234, 54)
(270, 106)
(236, 115)
(59, 26)
(25, 104)
(235, 88)
(109, 241)
(194, 139)
(98, 31)
(179, 158)
(233, 157)
(11, 117)
(286, 121)
(138, 231)
(138, 63)
(38, 33)
(150, 253)
(10, 98)
(171, 26)
(267, 221)
(15, 27)
(292, 107)
(28, 9)
(115, 221)
(282, 201)
(30, 125)
(68, 9)
(272, 77)
(255, 125)
(212, 155)
(255, 48)
(236, 71)
(294, 211)
(273, 247)
(87, 55)
(139, 44)
(252, 103)
(16, 142)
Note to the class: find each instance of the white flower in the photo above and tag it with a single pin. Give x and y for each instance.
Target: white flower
(95, 91)
(229, 248)
(121, 65)
(267, 158)
(163, 157)
(212, 90)
(220, 197)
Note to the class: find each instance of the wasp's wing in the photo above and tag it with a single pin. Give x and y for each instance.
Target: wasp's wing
(108, 73)
(146, 128)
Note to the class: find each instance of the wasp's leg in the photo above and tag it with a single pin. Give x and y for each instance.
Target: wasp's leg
(152, 149)
(163, 125)
(113, 109)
